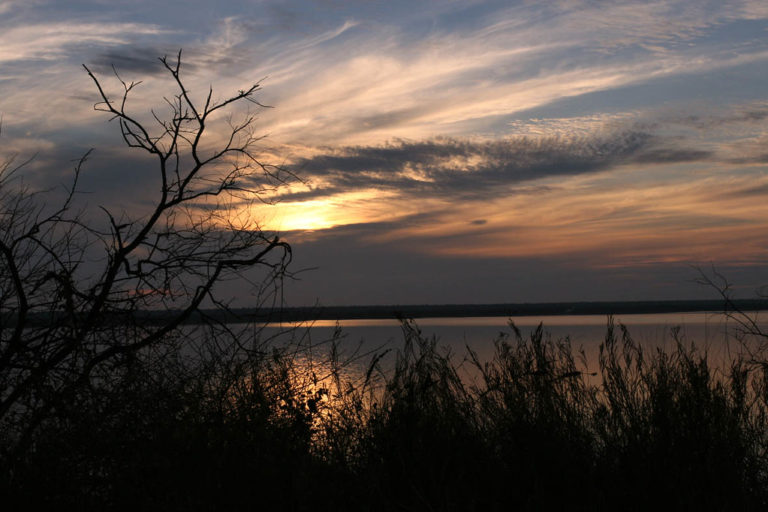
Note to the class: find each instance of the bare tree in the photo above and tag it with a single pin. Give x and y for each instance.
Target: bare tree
(749, 328)
(61, 320)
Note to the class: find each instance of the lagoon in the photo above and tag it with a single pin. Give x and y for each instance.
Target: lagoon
(720, 335)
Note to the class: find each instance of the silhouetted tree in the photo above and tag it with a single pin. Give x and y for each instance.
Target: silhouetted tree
(65, 318)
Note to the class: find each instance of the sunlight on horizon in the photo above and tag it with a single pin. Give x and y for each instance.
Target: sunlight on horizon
(337, 210)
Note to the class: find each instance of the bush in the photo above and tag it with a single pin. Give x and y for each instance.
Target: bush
(526, 429)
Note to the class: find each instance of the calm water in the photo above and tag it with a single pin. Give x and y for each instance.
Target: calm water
(712, 331)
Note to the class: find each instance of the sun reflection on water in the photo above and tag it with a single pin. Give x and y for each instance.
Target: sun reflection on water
(311, 386)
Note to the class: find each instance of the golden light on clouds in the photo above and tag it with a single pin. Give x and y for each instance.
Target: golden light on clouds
(610, 134)
(337, 210)
(609, 220)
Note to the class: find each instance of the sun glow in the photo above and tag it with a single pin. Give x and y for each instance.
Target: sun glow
(306, 215)
(329, 212)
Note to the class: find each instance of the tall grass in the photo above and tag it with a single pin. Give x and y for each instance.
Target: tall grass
(417, 429)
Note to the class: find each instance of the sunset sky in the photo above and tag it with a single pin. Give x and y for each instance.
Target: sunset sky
(451, 151)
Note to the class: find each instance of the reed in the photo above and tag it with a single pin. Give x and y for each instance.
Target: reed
(418, 428)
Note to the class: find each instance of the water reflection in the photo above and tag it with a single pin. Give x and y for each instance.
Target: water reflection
(714, 333)
(533, 321)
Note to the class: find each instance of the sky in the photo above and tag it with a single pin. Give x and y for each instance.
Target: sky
(449, 151)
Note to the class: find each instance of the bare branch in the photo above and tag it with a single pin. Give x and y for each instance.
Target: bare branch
(69, 319)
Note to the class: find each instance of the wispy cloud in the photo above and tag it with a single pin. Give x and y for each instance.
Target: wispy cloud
(592, 219)
(359, 81)
(610, 133)
(468, 169)
(390, 85)
(49, 41)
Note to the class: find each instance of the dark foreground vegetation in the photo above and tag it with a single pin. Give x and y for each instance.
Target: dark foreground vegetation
(416, 430)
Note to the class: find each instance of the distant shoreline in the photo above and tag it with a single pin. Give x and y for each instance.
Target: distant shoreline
(301, 314)
(415, 311)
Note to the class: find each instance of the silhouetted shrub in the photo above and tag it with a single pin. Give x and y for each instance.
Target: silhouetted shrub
(417, 429)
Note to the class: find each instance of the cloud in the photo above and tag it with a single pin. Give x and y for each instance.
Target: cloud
(49, 41)
(466, 168)
(754, 190)
(598, 228)
(139, 60)
(761, 158)
(380, 82)
(749, 114)
(565, 129)
(40, 67)
(671, 155)
(346, 268)
(352, 79)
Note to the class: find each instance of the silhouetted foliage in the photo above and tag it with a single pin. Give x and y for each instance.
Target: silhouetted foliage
(527, 429)
(67, 322)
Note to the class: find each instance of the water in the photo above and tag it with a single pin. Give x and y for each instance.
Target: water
(714, 332)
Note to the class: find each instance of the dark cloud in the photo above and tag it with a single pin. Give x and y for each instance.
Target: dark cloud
(761, 158)
(746, 115)
(366, 230)
(391, 118)
(478, 222)
(671, 156)
(142, 60)
(463, 168)
(757, 190)
(348, 268)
